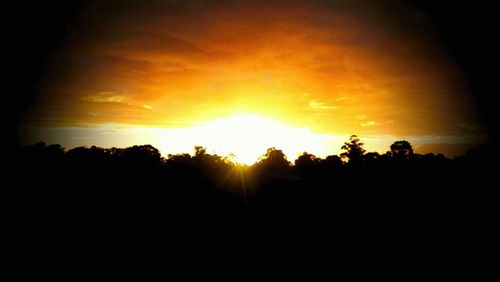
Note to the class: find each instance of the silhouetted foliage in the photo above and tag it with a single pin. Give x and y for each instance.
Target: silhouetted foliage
(273, 160)
(332, 162)
(41, 153)
(144, 155)
(353, 150)
(401, 150)
(138, 182)
(306, 162)
(371, 157)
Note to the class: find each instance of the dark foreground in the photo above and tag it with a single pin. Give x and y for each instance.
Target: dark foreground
(89, 200)
(136, 184)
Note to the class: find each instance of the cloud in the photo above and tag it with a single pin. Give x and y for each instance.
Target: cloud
(317, 105)
(335, 66)
(368, 123)
(105, 97)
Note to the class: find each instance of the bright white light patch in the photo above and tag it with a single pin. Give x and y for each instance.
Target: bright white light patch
(246, 136)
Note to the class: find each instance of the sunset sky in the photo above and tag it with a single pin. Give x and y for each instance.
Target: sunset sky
(242, 76)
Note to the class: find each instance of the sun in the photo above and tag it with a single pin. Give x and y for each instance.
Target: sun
(248, 136)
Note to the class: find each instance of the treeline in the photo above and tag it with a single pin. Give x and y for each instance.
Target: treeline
(147, 155)
(101, 187)
(142, 167)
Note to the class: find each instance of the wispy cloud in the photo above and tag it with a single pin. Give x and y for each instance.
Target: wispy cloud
(318, 105)
(368, 123)
(105, 97)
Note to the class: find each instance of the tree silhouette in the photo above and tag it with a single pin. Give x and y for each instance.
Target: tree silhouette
(139, 178)
(307, 163)
(353, 150)
(273, 160)
(200, 151)
(371, 157)
(93, 156)
(306, 160)
(41, 152)
(143, 154)
(401, 150)
(332, 161)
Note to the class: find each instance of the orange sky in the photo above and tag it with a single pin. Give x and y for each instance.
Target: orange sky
(334, 67)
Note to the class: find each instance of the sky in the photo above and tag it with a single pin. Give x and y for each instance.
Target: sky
(240, 76)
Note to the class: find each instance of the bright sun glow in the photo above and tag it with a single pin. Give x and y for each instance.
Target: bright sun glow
(246, 136)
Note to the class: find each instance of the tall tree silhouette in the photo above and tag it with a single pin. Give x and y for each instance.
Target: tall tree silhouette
(353, 150)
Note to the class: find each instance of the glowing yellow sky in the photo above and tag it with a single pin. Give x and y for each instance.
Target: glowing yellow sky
(334, 67)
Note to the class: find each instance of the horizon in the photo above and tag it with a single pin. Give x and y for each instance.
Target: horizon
(233, 158)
